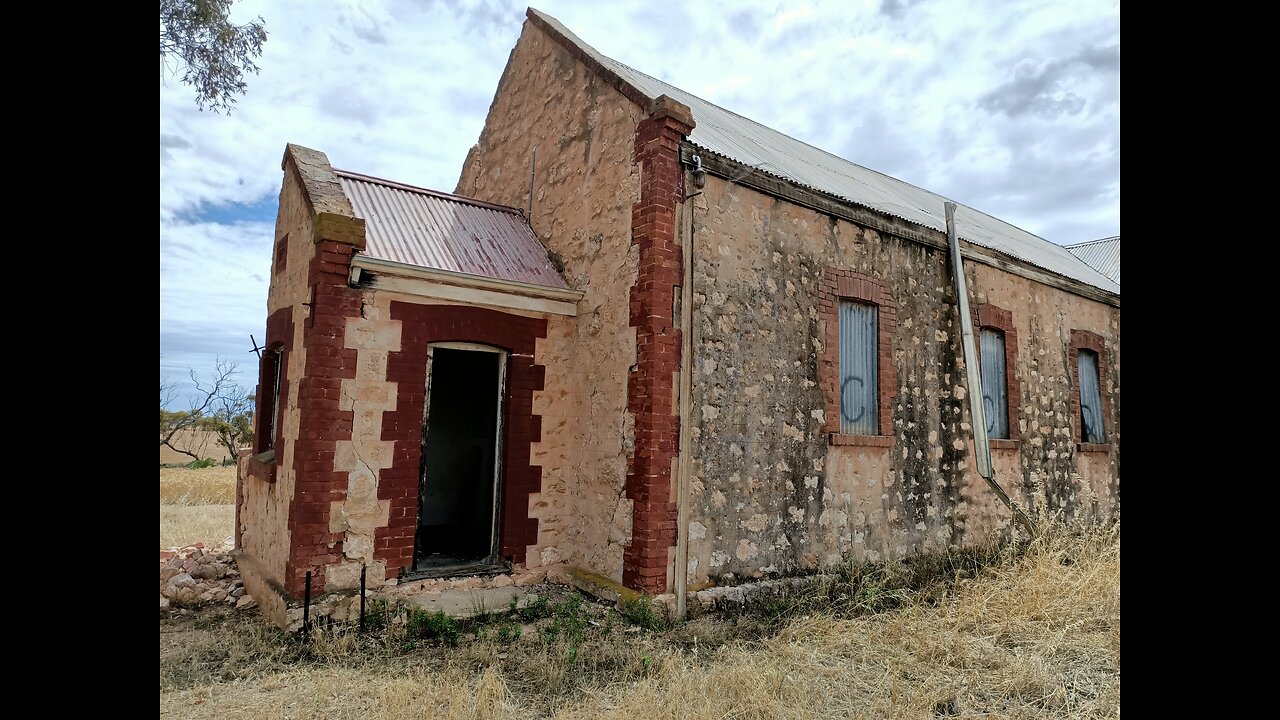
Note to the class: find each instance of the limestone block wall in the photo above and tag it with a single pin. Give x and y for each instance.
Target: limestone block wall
(262, 507)
(368, 395)
(769, 491)
(586, 185)
(1055, 470)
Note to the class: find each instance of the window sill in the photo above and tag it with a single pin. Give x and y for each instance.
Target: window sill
(1093, 447)
(884, 441)
(262, 466)
(1004, 443)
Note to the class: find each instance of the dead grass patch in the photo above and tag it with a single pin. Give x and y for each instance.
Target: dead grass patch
(196, 505)
(1035, 633)
(182, 525)
(207, 486)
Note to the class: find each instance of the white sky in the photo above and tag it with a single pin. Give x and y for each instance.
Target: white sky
(1012, 108)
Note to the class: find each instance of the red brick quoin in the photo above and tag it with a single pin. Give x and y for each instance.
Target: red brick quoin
(990, 316)
(425, 324)
(320, 423)
(1086, 340)
(649, 387)
(838, 284)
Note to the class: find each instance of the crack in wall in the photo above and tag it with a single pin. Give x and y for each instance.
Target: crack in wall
(360, 513)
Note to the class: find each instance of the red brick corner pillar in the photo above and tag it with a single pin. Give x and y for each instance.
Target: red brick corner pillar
(650, 385)
(317, 485)
(337, 235)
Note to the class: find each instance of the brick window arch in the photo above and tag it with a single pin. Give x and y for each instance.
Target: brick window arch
(998, 320)
(1094, 345)
(856, 292)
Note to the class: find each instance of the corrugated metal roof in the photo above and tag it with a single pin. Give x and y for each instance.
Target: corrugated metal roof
(437, 230)
(1101, 255)
(750, 143)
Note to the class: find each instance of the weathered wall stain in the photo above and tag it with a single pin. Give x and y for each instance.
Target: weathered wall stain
(770, 495)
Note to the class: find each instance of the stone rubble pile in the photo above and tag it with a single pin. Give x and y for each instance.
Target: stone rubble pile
(196, 575)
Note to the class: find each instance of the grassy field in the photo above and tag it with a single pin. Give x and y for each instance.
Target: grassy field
(1032, 632)
(196, 505)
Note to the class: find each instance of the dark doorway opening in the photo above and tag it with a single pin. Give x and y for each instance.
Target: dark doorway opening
(458, 492)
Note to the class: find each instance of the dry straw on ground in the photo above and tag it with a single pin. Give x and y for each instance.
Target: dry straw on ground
(187, 525)
(1035, 636)
(206, 486)
(196, 505)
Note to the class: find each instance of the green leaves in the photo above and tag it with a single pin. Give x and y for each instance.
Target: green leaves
(198, 39)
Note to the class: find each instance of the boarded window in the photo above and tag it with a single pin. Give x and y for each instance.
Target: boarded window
(1091, 430)
(995, 384)
(275, 398)
(269, 411)
(282, 254)
(859, 396)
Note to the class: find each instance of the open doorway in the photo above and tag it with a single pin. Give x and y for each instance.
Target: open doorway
(461, 451)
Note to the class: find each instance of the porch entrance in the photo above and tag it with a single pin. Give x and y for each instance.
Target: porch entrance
(461, 470)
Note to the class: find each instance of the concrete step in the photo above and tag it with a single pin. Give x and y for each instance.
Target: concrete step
(469, 603)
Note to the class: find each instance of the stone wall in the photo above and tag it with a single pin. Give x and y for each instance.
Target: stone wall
(421, 324)
(375, 519)
(771, 492)
(587, 183)
(262, 511)
(341, 492)
(283, 526)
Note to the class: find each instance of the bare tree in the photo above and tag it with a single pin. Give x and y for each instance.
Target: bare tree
(232, 419)
(198, 38)
(207, 395)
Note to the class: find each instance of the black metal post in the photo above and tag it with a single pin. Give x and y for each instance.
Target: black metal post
(306, 605)
(362, 572)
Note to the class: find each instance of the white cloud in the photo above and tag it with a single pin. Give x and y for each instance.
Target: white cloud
(213, 295)
(1011, 107)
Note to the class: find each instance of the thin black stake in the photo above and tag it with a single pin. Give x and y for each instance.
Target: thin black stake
(306, 605)
(362, 571)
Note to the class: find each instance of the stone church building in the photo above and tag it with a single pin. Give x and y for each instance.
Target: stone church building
(697, 352)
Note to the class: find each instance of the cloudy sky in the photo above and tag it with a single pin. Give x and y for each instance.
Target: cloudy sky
(1009, 107)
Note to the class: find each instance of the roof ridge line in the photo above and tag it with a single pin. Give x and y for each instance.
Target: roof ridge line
(1092, 242)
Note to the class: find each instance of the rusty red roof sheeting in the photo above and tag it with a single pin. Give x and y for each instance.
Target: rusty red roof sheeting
(437, 230)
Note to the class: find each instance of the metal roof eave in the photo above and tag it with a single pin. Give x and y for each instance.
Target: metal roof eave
(785, 188)
(379, 274)
(743, 140)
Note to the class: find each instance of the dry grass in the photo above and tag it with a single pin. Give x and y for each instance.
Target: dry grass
(1036, 635)
(196, 505)
(187, 525)
(207, 486)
